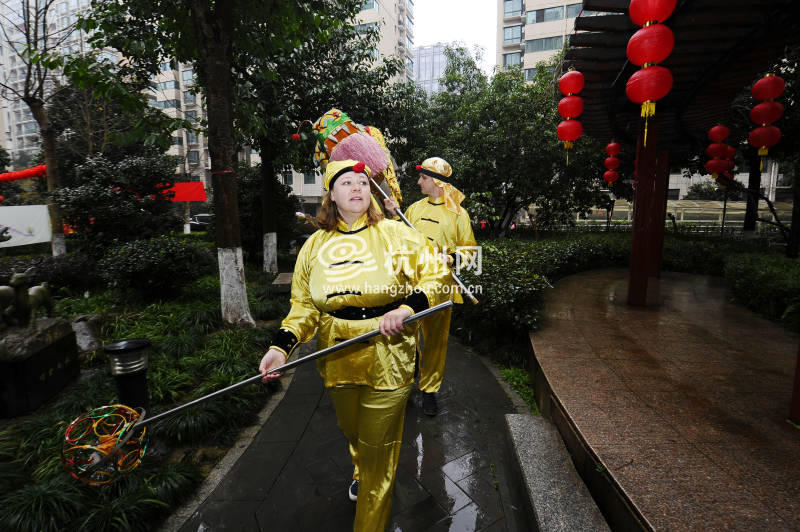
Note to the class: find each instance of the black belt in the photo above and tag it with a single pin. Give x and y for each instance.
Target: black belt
(363, 313)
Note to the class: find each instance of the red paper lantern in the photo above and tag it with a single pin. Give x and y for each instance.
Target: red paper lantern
(1, 199)
(715, 166)
(611, 176)
(718, 150)
(727, 164)
(730, 152)
(647, 86)
(651, 44)
(613, 149)
(764, 138)
(644, 11)
(569, 130)
(766, 112)
(571, 83)
(769, 87)
(611, 163)
(718, 133)
(570, 106)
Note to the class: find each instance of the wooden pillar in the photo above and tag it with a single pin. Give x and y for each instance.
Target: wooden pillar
(641, 231)
(794, 410)
(658, 215)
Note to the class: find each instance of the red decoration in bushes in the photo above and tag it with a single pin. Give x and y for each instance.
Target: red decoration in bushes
(612, 163)
(295, 136)
(644, 11)
(570, 106)
(27, 173)
(651, 44)
(718, 133)
(769, 87)
(1, 199)
(766, 112)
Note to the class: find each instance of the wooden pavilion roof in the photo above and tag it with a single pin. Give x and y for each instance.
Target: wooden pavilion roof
(721, 47)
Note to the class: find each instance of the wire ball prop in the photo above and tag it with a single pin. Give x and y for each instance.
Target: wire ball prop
(103, 444)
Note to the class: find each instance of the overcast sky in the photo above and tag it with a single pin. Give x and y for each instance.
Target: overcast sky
(469, 22)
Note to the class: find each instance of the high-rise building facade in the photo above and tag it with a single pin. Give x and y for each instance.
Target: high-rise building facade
(395, 20)
(429, 66)
(531, 31)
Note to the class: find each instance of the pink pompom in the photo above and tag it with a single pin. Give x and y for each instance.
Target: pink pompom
(364, 148)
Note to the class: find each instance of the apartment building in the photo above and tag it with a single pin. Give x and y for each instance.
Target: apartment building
(395, 20)
(172, 91)
(531, 31)
(20, 132)
(429, 66)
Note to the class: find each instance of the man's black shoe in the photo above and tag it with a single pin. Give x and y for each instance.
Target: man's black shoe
(429, 406)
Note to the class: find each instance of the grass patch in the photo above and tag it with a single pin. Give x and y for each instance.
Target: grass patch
(520, 382)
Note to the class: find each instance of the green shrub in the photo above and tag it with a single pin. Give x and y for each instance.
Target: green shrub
(155, 268)
(768, 285)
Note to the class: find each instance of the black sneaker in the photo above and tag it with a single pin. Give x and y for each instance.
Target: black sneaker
(353, 491)
(429, 406)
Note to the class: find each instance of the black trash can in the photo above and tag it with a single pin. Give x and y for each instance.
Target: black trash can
(127, 362)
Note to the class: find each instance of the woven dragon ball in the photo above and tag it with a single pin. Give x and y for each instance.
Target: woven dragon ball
(102, 444)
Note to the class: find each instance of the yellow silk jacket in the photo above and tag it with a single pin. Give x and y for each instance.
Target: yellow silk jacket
(446, 230)
(362, 266)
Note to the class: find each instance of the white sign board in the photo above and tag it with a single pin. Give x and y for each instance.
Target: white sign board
(27, 224)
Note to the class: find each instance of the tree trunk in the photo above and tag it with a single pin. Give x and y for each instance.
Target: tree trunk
(269, 221)
(214, 30)
(58, 245)
(754, 187)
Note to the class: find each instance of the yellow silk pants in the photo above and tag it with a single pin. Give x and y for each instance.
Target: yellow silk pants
(435, 331)
(372, 421)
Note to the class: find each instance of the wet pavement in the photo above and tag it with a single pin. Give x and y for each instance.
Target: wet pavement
(683, 404)
(454, 472)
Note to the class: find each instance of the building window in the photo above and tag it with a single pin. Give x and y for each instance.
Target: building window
(512, 8)
(309, 178)
(193, 157)
(410, 24)
(164, 85)
(288, 179)
(370, 4)
(410, 7)
(189, 97)
(530, 74)
(164, 67)
(545, 15)
(512, 59)
(191, 137)
(673, 193)
(409, 43)
(573, 10)
(364, 28)
(187, 76)
(167, 104)
(191, 116)
(177, 141)
(409, 64)
(512, 34)
(541, 45)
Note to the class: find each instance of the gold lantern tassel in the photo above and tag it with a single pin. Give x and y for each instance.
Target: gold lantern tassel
(648, 110)
(567, 146)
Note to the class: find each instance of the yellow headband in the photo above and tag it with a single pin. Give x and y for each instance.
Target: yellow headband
(337, 168)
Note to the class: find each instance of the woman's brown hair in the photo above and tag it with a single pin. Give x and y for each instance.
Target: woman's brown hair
(328, 215)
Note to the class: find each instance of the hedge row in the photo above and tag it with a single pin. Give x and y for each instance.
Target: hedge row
(516, 273)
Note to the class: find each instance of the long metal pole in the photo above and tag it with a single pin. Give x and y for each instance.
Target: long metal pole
(290, 365)
(405, 220)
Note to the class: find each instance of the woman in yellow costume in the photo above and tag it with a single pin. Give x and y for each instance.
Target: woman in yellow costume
(357, 273)
(442, 219)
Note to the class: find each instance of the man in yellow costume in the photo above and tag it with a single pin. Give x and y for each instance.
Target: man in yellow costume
(442, 219)
(360, 272)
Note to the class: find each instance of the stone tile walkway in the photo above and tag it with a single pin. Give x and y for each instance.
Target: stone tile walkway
(453, 473)
(684, 404)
